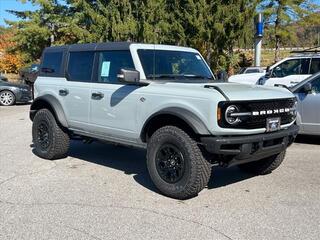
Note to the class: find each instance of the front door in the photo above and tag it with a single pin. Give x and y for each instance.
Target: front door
(113, 104)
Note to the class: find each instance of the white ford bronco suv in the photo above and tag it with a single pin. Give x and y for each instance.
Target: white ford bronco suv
(162, 98)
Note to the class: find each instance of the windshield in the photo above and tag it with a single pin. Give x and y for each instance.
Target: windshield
(166, 64)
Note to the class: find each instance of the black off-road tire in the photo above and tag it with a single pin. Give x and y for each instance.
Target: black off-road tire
(264, 166)
(197, 169)
(58, 139)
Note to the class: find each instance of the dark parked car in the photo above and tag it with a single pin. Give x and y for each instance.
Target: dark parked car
(11, 93)
(29, 74)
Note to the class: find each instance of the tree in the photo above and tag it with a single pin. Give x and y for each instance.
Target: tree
(41, 28)
(9, 62)
(213, 27)
(280, 14)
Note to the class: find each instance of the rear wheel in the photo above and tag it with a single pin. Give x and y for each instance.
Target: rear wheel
(176, 164)
(49, 139)
(7, 98)
(264, 166)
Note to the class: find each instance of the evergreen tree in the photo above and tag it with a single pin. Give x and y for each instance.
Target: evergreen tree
(280, 14)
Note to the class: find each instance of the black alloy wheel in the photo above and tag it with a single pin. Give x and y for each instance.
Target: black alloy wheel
(170, 163)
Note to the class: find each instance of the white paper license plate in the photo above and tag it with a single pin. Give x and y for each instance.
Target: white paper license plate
(273, 124)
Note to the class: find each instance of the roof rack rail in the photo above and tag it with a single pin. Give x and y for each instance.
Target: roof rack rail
(308, 50)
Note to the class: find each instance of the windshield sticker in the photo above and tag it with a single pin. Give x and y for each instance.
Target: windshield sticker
(105, 69)
(198, 57)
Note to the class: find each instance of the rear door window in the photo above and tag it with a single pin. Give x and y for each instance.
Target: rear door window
(52, 63)
(80, 66)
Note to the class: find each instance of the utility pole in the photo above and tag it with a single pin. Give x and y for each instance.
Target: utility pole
(258, 39)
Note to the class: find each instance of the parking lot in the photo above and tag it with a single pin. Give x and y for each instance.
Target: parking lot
(104, 192)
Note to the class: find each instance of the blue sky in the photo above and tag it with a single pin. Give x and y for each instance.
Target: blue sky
(12, 5)
(18, 6)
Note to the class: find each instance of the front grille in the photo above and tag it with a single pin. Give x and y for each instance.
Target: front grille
(253, 122)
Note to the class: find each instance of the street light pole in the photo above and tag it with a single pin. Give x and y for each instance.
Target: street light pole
(258, 40)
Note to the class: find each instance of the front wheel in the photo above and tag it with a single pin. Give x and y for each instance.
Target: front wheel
(264, 166)
(175, 163)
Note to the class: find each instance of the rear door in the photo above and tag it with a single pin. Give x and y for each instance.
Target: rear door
(75, 93)
(309, 107)
(113, 104)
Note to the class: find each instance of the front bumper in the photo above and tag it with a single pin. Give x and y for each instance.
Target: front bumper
(243, 149)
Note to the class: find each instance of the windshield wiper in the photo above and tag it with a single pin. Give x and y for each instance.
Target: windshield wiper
(175, 76)
(158, 76)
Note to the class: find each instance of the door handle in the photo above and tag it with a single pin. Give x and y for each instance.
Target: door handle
(63, 92)
(97, 95)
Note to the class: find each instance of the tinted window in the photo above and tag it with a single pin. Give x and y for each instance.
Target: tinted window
(80, 66)
(316, 85)
(167, 64)
(110, 63)
(305, 66)
(241, 70)
(315, 65)
(291, 67)
(52, 62)
(253, 71)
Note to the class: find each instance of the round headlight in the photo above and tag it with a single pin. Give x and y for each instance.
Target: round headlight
(229, 115)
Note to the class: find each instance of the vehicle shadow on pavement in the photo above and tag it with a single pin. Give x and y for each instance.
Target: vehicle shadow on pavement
(308, 139)
(133, 162)
(221, 177)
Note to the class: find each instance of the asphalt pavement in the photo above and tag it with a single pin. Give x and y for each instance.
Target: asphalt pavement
(104, 192)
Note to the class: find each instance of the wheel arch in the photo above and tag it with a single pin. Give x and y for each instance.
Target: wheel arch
(53, 105)
(175, 116)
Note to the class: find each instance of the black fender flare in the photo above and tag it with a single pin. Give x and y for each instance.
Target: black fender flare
(187, 116)
(53, 104)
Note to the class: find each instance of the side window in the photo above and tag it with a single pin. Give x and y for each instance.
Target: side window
(305, 62)
(110, 63)
(51, 63)
(291, 67)
(316, 86)
(315, 65)
(252, 71)
(80, 66)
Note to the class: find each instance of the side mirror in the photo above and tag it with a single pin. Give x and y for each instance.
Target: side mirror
(307, 88)
(129, 76)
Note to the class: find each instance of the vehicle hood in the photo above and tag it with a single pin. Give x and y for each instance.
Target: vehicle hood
(235, 91)
(230, 91)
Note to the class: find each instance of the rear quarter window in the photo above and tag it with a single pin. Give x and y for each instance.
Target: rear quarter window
(315, 65)
(52, 63)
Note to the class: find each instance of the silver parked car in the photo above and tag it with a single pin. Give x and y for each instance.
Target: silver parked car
(308, 95)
